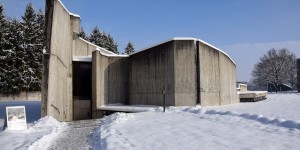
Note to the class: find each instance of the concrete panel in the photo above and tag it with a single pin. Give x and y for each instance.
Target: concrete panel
(57, 94)
(61, 30)
(83, 48)
(228, 94)
(109, 75)
(117, 80)
(209, 76)
(59, 104)
(185, 58)
(150, 72)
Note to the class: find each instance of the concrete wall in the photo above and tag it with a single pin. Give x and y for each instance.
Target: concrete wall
(185, 75)
(209, 75)
(150, 72)
(228, 94)
(191, 71)
(109, 75)
(217, 77)
(64, 30)
(188, 70)
(298, 74)
(82, 47)
(31, 96)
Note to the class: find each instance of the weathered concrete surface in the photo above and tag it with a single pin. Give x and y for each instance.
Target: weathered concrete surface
(57, 100)
(59, 81)
(209, 76)
(185, 75)
(189, 70)
(83, 48)
(298, 74)
(217, 77)
(228, 93)
(150, 72)
(109, 75)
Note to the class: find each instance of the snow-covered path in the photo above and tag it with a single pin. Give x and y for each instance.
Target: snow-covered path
(77, 136)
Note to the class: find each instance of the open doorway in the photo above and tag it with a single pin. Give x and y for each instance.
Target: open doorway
(82, 90)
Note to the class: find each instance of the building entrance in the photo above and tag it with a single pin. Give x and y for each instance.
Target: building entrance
(82, 90)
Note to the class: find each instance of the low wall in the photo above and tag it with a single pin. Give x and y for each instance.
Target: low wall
(31, 96)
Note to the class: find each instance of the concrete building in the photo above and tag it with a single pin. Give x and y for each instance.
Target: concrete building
(79, 76)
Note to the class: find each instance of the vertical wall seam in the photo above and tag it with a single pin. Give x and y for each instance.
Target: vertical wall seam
(197, 61)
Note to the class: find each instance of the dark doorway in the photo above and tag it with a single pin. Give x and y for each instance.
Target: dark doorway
(82, 90)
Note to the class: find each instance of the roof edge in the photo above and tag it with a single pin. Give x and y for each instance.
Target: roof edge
(185, 38)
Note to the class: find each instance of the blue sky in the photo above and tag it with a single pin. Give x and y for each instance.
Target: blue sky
(243, 29)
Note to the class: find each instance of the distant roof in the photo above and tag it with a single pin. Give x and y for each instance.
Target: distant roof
(185, 38)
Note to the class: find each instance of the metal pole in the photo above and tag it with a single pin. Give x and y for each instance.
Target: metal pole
(164, 99)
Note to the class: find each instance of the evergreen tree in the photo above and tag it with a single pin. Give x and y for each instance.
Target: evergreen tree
(95, 36)
(103, 40)
(3, 49)
(30, 34)
(111, 44)
(15, 58)
(129, 48)
(82, 34)
(38, 50)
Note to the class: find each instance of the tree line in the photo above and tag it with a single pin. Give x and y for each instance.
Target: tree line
(105, 40)
(21, 49)
(21, 46)
(274, 69)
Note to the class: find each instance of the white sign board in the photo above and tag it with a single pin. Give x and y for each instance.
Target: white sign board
(16, 118)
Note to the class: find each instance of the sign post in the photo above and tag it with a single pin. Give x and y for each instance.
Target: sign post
(16, 118)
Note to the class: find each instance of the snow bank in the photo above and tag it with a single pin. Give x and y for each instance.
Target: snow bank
(37, 136)
(51, 124)
(198, 128)
(285, 106)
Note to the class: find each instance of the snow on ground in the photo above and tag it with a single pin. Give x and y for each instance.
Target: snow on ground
(196, 128)
(270, 124)
(39, 134)
(285, 105)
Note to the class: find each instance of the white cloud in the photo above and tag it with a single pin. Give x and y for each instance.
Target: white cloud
(247, 55)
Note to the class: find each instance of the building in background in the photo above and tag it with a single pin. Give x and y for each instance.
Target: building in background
(298, 74)
(79, 78)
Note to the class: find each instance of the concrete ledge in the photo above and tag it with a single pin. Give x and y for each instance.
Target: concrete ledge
(252, 96)
(127, 108)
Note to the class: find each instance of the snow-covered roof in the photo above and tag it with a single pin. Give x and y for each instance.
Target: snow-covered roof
(83, 58)
(287, 85)
(185, 38)
(102, 50)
